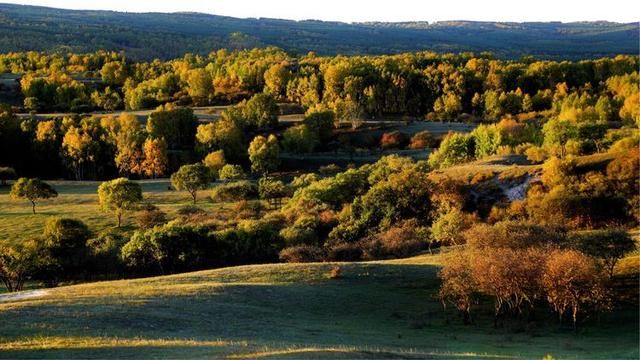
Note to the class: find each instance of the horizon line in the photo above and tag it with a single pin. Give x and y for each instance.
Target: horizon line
(428, 22)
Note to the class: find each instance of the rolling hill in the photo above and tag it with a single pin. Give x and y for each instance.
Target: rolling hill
(161, 35)
(384, 309)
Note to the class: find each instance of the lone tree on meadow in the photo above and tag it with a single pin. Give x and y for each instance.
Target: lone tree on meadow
(191, 178)
(119, 195)
(32, 190)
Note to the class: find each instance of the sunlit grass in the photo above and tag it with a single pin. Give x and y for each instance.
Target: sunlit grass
(79, 200)
(380, 309)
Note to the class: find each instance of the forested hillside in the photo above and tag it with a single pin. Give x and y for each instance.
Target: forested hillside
(150, 35)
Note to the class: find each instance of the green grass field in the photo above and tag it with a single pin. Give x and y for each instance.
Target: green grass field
(79, 200)
(383, 309)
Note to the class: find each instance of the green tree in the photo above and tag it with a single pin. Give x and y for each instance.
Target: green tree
(199, 86)
(214, 161)
(276, 79)
(191, 178)
(18, 261)
(321, 123)
(261, 112)
(222, 135)
(119, 195)
(300, 139)
(114, 73)
(231, 172)
(32, 190)
(609, 245)
(177, 126)
(65, 245)
(487, 139)
(264, 154)
(559, 132)
(456, 148)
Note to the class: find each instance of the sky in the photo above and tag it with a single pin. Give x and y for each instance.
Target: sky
(376, 10)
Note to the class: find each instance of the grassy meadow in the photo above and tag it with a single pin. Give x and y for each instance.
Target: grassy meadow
(79, 200)
(384, 309)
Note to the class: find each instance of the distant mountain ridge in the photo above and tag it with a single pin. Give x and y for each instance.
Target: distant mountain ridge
(163, 35)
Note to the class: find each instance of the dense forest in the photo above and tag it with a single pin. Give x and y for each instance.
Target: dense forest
(150, 35)
(575, 101)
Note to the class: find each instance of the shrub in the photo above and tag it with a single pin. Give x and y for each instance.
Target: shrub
(608, 245)
(513, 234)
(149, 216)
(448, 227)
(304, 180)
(235, 191)
(244, 209)
(536, 154)
(402, 240)
(65, 242)
(391, 140)
(422, 140)
(456, 148)
(330, 169)
(252, 241)
(105, 252)
(299, 235)
(232, 172)
(302, 254)
(343, 251)
(214, 161)
(18, 262)
(170, 249)
(190, 211)
(271, 189)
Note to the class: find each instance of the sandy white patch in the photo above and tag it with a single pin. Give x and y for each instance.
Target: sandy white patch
(23, 295)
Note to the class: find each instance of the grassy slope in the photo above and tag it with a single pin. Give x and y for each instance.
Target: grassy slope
(376, 310)
(79, 200)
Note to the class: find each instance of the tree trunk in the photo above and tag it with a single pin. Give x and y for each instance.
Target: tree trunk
(33, 206)
(193, 194)
(119, 219)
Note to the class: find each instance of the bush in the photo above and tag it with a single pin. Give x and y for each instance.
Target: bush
(302, 254)
(271, 188)
(299, 235)
(344, 252)
(304, 180)
(235, 191)
(232, 172)
(170, 249)
(252, 241)
(105, 253)
(65, 242)
(391, 140)
(513, 234)
(422, 140)
(191, 211)
(448, 227)
(149, 216)
(330, 169)
(402, 240)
